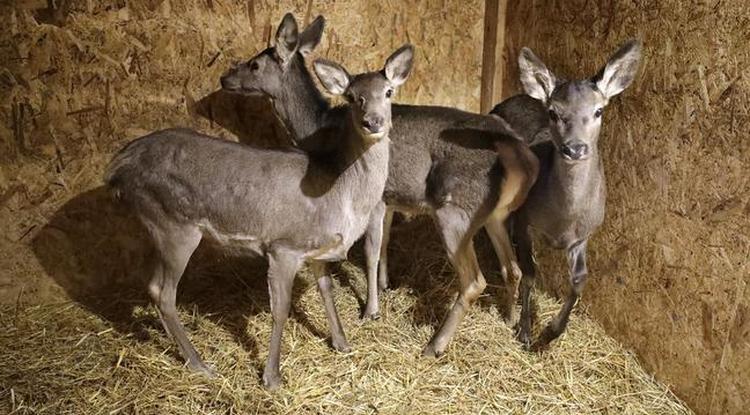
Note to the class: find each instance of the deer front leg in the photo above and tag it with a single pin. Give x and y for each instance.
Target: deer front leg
(528, 271)
(457, 233)
(374, 245)
(511, 273)
(282, 267)
(386, 237)
(578, 273)
(325, 287)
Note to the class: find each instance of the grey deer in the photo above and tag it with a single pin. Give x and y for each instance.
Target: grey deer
(432, 170)
(283, 205)
(562, 120)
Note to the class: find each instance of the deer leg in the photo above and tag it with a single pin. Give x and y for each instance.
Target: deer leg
(282, 267)
(174, 244)
(578, 272)
(386, 237)
(511, 273)
(373, 246)
(528, 271)
(457, 233)
(325, 287)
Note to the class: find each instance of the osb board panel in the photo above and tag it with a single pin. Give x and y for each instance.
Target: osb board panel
(78, 82)
(669, 269)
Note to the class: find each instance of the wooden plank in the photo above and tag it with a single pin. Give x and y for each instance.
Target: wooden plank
(492, 53)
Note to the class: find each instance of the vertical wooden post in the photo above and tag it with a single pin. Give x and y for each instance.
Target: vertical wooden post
(492, 53)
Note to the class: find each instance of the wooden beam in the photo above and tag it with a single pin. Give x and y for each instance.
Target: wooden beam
(492, 53)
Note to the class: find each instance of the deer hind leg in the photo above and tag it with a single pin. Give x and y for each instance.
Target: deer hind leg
(457, 232)
(498, 233)
(383, 263)
(373, 246)
(282, 267)
(325, 287)
(578, 273)
(528, 271)
(174, 244)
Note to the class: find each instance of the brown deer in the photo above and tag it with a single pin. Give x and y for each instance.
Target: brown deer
(281, 204)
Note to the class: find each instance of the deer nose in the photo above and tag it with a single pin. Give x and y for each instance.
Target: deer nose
(574, 151)
(228, 83)
(372, 124)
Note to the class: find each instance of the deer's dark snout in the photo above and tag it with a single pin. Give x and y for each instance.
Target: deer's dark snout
(373, 124)
(229, 81)
(574, 150)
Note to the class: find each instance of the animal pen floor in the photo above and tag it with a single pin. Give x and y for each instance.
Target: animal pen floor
(104, 351)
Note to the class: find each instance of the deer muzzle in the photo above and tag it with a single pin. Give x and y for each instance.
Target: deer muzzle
(574, 151)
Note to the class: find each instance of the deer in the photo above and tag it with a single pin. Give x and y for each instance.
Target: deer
(284, 205)
(465, 170)
(561, 120)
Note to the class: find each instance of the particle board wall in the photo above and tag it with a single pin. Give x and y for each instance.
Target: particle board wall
(79, 81)
(669, 269)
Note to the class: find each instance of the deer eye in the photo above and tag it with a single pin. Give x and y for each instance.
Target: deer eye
(254, 66)
(361, 100)
(389, 93)
(553, 116)
(598, 112)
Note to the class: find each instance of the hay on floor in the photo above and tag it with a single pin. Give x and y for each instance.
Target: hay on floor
(107, 353)
(61, 358)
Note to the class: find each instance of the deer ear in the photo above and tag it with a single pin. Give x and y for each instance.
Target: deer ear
(286, 38)
(621, 69)
(399, 64)
(332, 75)
(310, 37)
(538, 82)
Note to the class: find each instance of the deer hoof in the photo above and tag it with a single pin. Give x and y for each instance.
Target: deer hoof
(550, 332)
(429, 351)
(367, 315)
(538, 346)
(524, 337)
(203, 369)
(271, 382)
(341, 346)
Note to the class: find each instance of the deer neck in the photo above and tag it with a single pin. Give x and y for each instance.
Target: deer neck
(354, 150)
(581, 183)
(354, 170)
(301, 106)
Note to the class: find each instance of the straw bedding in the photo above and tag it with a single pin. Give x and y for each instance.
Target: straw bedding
(109, 354)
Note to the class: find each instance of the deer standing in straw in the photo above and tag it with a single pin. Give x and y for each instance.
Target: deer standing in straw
(562, 120)
(284, 205)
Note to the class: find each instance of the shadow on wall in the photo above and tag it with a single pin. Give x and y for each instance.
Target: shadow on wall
(251, 118)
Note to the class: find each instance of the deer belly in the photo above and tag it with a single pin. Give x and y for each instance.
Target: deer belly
(236, 242)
